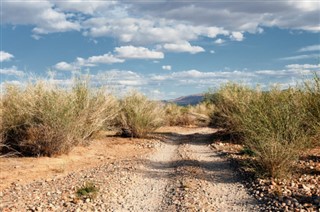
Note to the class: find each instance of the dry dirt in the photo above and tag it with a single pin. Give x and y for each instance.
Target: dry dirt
(178, 171)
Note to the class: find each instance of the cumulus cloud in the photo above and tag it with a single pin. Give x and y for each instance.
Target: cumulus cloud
(237, 36)
(5, 56)
(12, 71)
(84, 6)
(167, 67)
(92, 61)
(64, 66)
(161, 22)
(219, 41)
(238, 16)
(41, 14)
(106, 59)
(133, 52)
(142, 31)
(182, 47)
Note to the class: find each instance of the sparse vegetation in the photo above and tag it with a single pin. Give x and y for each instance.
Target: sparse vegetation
(139, 116)
(277, 125)
(176, 115)
(42, 119)
(88, 190)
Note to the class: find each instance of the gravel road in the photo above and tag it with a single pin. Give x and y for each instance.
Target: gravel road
(181, 174)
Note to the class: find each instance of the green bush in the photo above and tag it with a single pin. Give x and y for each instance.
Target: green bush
(272, 127)
(230, 102)
(42, 119)
(277, 125)
(311, 103)
(88, 190)
(140, 116)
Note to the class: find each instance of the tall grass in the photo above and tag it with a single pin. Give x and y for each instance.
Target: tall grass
(139, 116)
(276, 124)
(199, 114)
(230, 101)
(311, 103)
(43, 119)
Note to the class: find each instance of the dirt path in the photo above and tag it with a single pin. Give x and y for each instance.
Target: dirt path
(182, 173)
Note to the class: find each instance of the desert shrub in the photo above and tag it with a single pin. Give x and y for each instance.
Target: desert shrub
(310, 99)
(139, 116)
(199, 114)
(94, 110)
(203, 108)
(272, 127)
(42, 119)
(230, 102)
(277, 125)
(176, 115)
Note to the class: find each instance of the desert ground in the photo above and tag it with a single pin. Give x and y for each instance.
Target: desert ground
(175, 170)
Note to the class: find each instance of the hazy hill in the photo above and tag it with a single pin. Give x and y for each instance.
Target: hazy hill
(187, 100)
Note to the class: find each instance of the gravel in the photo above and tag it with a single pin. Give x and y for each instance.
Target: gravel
(181, 174)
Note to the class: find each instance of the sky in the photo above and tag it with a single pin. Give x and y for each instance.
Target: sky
(162, 48)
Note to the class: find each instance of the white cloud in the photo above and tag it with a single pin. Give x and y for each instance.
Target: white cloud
(133, 52)
(167, 67)
(146, 30)
(303, 66)
(237, 36)
(5, 56)
(64, 66)
(41, 14)
(159, 22)
(238, 16)
(106, 59)
(195, 75)
(92, 61)
(84, 6)
(310, 48)
(301, 57)
(219, 41)
(182, 47)
(212, 52)
(12, 71)
(119, 80)
(284, 73)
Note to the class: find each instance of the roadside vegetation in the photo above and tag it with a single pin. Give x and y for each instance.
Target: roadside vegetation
(46, 120)
(198, 115)
(139, 116)
(276, 125)
(42, 119)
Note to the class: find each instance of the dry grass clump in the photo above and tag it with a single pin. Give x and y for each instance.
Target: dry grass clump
(188, 115)
(273, 128)
(230, 101)
(311, 102)
(176, 115)
(277, 125)
(42, 119)
(139, 116)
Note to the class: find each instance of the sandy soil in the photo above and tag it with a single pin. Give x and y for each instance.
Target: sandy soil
(102, 150)
(179, 171)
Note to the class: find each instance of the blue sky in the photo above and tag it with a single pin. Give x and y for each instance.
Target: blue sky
(164, 49)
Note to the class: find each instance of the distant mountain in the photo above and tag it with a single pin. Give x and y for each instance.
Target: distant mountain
(187, 100)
